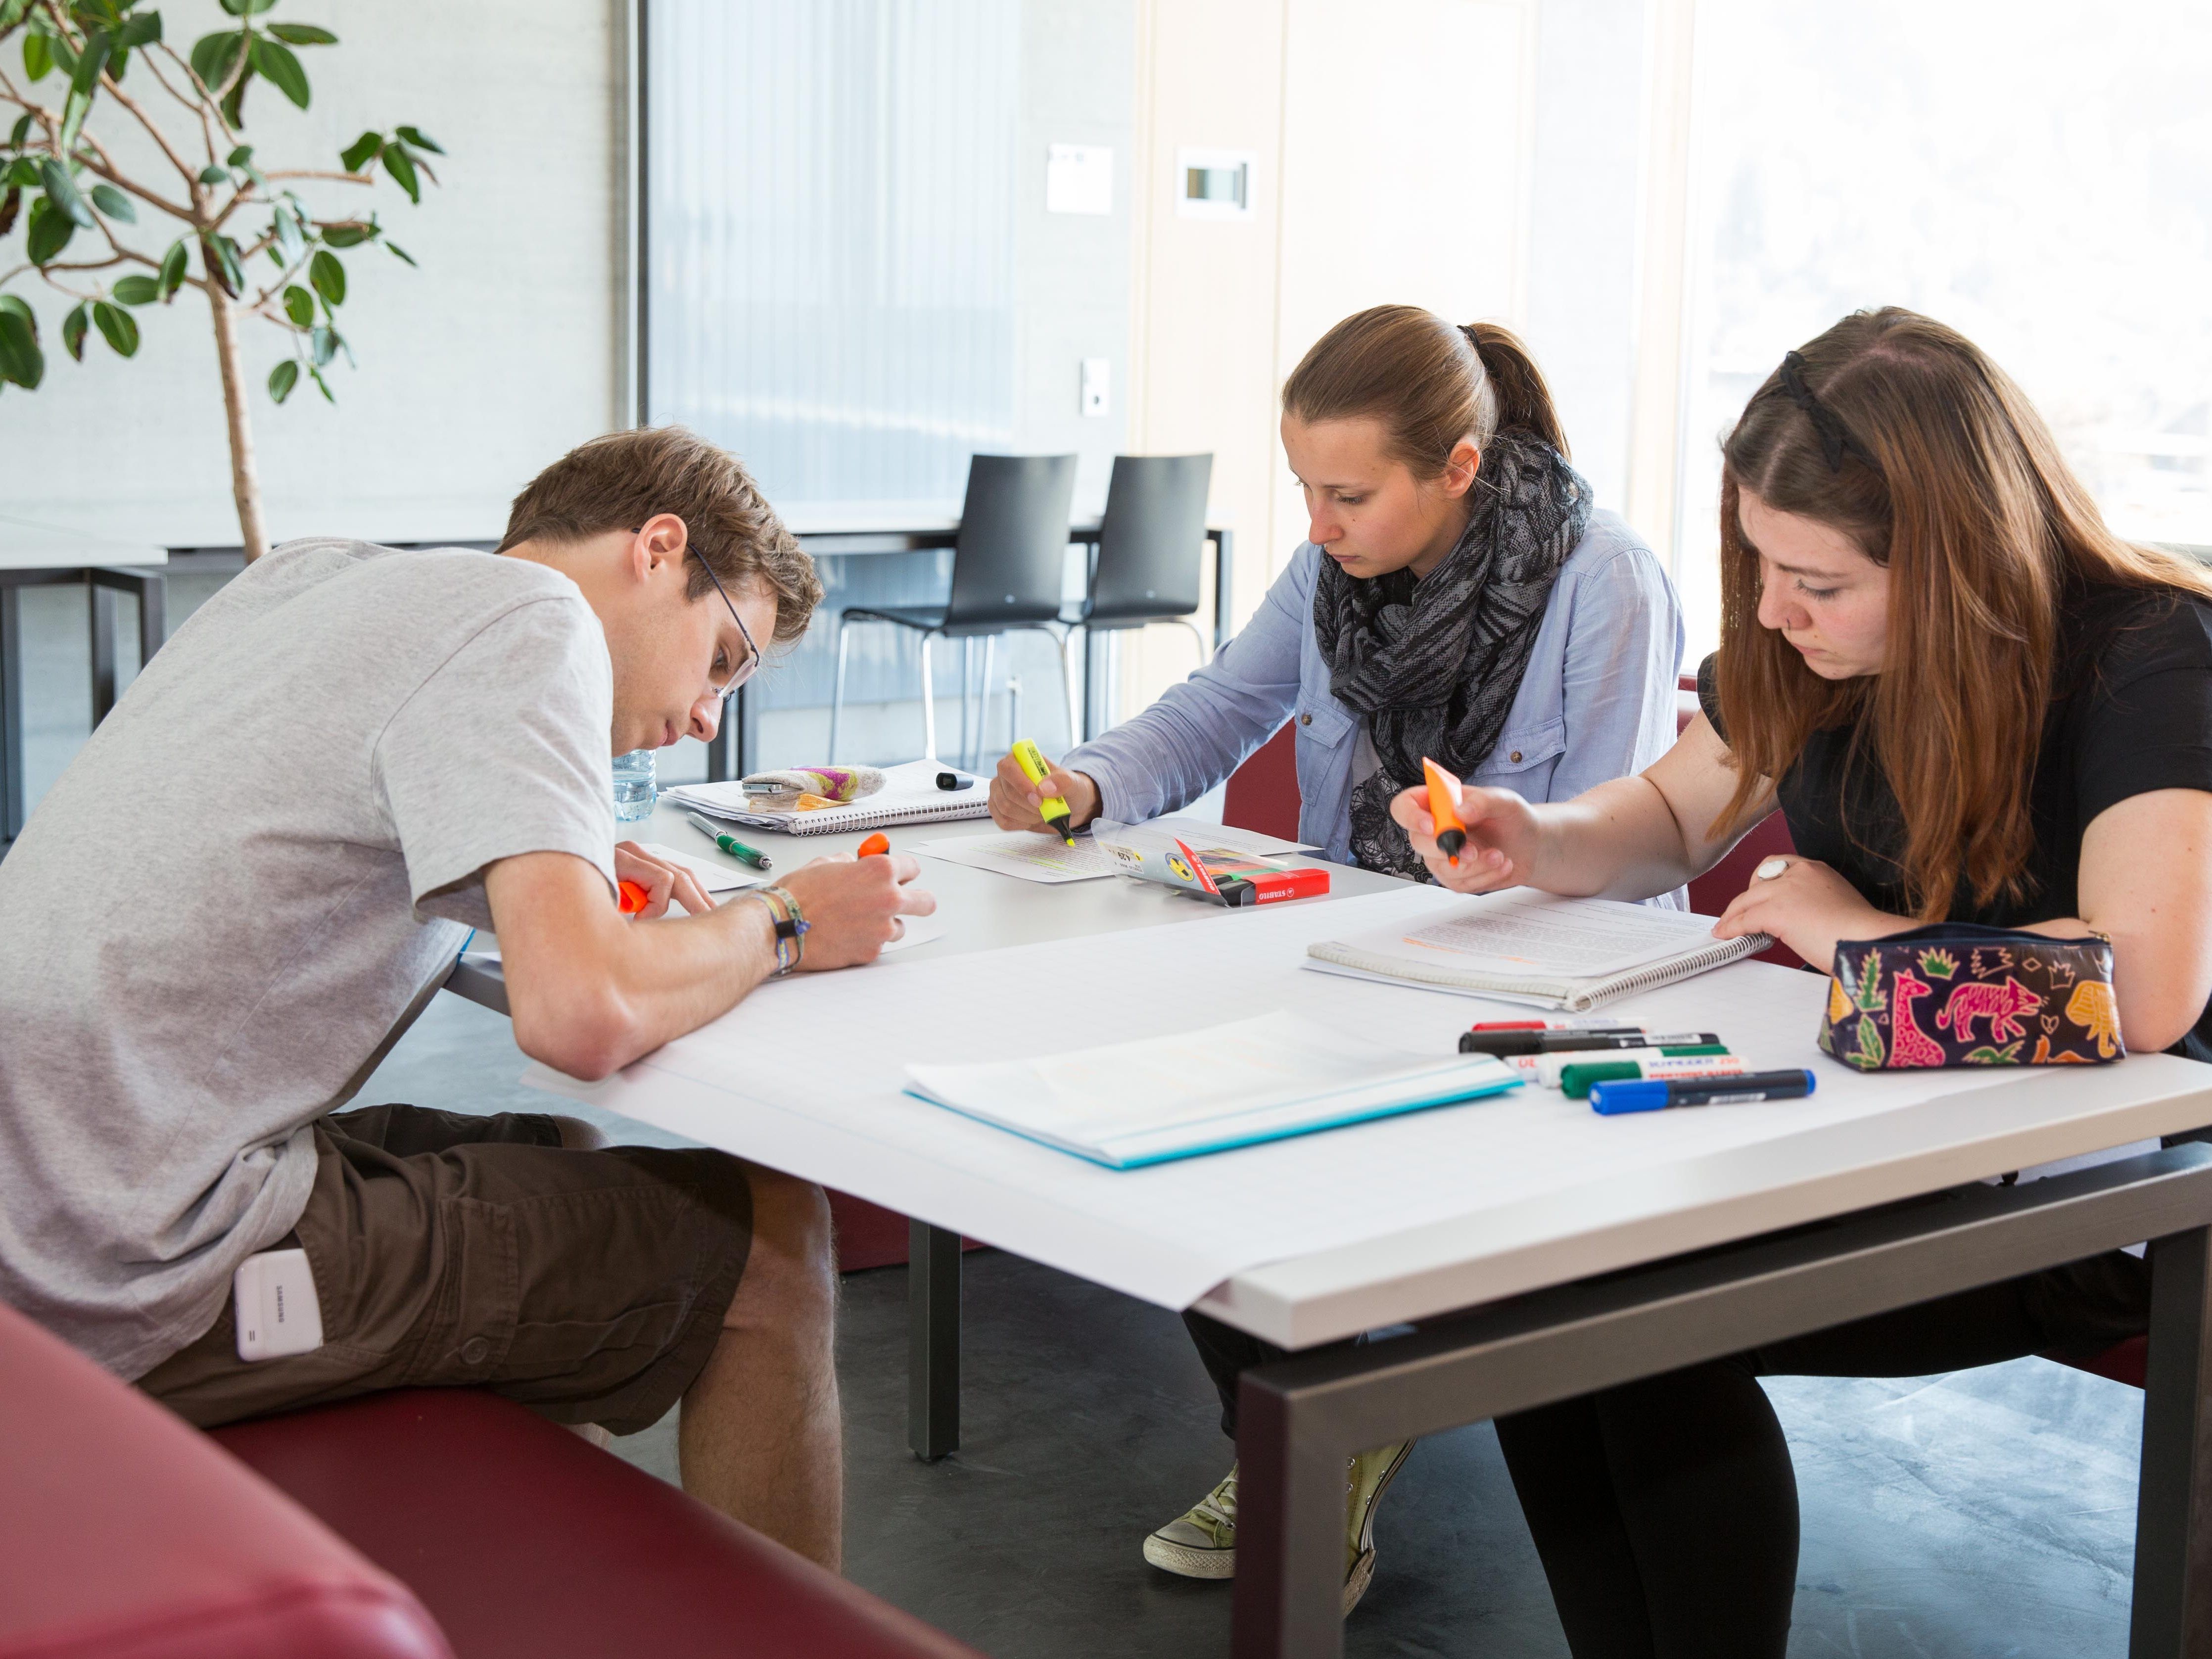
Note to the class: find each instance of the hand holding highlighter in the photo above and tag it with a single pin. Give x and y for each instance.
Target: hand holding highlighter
(1443, 808)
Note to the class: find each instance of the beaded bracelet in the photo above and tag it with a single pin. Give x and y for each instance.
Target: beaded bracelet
(791, 926)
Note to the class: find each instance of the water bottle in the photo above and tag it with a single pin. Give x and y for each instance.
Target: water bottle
(633, 786)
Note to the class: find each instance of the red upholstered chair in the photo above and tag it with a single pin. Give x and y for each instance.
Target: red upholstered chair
(1711, 893)
(124, 1534)
(528, 1542)
(1262, 795)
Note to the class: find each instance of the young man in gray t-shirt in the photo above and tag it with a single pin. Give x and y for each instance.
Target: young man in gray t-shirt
(341, 763)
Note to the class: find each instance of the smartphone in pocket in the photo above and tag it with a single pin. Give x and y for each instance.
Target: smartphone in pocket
(273, 1299)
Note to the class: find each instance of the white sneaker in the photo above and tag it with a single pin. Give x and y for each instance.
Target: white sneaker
(1201, 1542)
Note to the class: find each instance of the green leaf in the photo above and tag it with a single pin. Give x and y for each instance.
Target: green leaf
(137, 290)
(282, 379)
(11, 203)
(420, 140)
(323, 342)
(139, 29)
(118, 326)
(281, 68)
(61, 190)
(345, 235)
(234, 103)
(303, 34)
(19, 131)
(400, 252)
(11, 12)
(222, 262)
(84, 75)
(21, 360)
(299, 305)
(214, 56)
(114, 204)
(172, 269)
(74, 107)
(360, 153)
(38, 59)
(64, 54)
(119, 63)
(239, 157)
(73, 328)
(291, 244)
(50, 232)
(247, 8)
(22, 171)
(328, 276)
(401, 167)
(212, 174)
(323, 385)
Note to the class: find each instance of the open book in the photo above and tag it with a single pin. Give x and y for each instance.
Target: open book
(1528, 946)
(910, 795)
(1133, 1103)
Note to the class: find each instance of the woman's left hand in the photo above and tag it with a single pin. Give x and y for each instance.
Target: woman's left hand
(661, 880)
(1808, 907)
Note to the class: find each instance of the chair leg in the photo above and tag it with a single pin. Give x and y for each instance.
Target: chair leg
(1198, 636)
(837, 697)
(928, 704)
(983, 701)
(1067, 682)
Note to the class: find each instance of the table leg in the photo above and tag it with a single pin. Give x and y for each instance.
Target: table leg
(1288, 1602)
(933, 1353)
(2172, 1613)
(14, 807)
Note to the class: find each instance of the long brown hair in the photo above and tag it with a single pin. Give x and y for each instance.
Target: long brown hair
(1935, 464)
(1431, 383)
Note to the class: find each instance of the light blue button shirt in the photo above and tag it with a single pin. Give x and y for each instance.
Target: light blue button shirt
(1597, 700)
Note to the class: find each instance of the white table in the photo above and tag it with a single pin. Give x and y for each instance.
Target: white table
(1683, 1237)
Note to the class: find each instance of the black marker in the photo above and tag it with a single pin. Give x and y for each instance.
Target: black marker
(954, 781)
(1506, 1044)
(1656, 1094)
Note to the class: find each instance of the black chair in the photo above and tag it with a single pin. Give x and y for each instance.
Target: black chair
(1150, 548)
(1006, 569)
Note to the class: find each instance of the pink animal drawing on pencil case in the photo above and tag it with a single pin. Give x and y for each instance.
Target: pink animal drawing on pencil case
(1909, 1045)
(2002, 1004)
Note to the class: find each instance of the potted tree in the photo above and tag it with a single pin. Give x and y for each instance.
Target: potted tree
(238, 232)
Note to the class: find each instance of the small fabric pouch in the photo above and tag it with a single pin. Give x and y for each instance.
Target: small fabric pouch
(1957, 994)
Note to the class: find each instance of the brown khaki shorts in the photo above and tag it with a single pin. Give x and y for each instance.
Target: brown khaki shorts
(460, 1252)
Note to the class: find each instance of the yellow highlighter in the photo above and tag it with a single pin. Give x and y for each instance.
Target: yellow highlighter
(1054, 809)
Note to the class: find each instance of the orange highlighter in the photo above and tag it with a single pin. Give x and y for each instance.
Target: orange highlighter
(1443, 808)
(635, 898)
(879, 842)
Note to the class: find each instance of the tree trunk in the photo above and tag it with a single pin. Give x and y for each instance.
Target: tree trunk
(245, 482)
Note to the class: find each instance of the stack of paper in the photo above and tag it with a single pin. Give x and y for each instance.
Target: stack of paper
(1156, 1098)
(1531, 947)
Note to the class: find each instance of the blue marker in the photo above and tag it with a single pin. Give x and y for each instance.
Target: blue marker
(1656, 1094)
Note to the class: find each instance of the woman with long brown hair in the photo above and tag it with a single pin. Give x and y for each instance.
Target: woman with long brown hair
(1971, 701)
(1460, 595)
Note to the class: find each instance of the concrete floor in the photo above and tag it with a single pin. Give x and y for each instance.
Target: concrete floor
(1978, 1515)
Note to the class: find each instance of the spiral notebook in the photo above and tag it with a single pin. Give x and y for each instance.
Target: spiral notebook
(1526, 946)
(910, 795)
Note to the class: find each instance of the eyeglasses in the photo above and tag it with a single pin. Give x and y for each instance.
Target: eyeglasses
(745, 670)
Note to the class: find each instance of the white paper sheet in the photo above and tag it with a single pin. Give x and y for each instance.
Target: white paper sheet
(715, 878)
(1525, 933)
(1032, 855)
(1170, 1232)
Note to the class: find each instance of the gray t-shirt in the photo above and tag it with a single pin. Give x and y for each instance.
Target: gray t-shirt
(243, 890)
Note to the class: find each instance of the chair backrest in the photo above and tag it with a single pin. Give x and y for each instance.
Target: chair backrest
(1151, 544)
(1262, 793)
(1012, 550)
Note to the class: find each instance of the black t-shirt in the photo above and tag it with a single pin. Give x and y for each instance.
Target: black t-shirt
(2130, 712)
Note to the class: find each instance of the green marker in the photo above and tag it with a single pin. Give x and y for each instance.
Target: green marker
(730, 844)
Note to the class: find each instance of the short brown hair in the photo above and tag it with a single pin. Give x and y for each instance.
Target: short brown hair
(619, 481)
(1431, 383)
(1943, 472)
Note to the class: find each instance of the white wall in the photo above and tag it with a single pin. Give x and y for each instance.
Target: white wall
(491, 360)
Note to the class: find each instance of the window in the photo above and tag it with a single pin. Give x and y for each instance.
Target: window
(2038, 175)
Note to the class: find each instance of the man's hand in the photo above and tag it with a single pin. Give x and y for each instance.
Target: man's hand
(1017, 803)
(855, 906)
(1808, 907)
(661, 880)
(1504, 837)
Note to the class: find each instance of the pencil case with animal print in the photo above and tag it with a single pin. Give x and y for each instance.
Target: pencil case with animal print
(1957, 994)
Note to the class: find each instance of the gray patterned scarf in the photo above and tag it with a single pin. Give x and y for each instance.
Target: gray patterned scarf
(1435, 663)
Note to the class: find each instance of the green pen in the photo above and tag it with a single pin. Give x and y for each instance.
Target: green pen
(730, 844)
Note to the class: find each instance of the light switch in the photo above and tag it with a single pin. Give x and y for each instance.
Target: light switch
(1097, 385)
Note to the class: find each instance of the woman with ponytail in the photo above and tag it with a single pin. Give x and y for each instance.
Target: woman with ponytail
(1460, 595)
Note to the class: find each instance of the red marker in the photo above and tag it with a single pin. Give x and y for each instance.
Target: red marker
(633, 897)
(879, 842)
